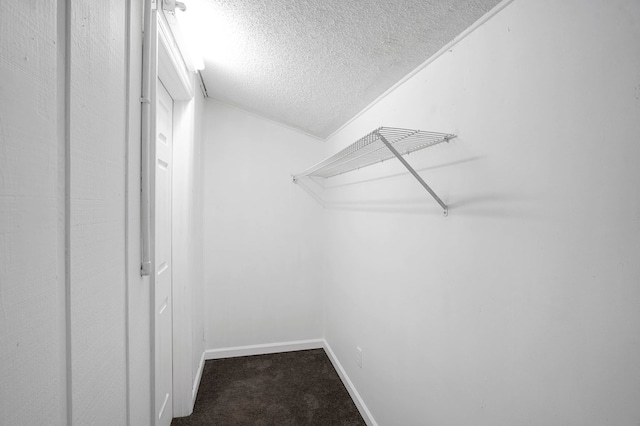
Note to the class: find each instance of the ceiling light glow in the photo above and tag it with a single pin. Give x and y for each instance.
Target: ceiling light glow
(216, 37)
(188, 24)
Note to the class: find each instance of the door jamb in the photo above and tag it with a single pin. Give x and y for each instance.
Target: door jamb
(166, 63)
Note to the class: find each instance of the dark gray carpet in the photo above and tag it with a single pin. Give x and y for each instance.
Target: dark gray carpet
(284, 389)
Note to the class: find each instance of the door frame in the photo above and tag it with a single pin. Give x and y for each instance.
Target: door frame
(161, 296)
(166, 64)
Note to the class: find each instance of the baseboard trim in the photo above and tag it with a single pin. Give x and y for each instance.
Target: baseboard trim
(299, 345)
(268, 348)
(196, 382)
(355, 396)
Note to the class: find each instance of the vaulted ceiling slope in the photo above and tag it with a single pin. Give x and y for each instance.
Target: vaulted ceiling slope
(315, 64)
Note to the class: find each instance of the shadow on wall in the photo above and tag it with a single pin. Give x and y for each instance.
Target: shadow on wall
(424, 169)
(489, 204)
(486, 205)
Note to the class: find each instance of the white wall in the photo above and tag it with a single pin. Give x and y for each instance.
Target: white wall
(262, 233)
(63, 177)
(138, 290)
(97, 212)
(521, 307)
(32, 212)
(70, 196)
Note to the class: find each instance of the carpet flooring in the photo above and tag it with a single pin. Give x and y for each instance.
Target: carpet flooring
(284, 389)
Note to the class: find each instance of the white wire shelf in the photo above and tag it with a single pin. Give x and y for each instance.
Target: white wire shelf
(380, 145)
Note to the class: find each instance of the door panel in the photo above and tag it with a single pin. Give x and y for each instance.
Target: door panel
(162, 288)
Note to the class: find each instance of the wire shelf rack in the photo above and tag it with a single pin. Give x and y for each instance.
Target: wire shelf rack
(370, 149)
(382, 144)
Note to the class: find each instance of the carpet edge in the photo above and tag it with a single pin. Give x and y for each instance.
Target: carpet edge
(298, 345)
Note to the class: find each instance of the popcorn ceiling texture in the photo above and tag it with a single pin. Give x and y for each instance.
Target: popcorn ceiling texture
(315, 64)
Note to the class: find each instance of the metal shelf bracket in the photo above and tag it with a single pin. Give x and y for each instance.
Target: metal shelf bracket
(415, 174)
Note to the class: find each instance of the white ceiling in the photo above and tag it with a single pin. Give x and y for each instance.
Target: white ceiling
(315, 64)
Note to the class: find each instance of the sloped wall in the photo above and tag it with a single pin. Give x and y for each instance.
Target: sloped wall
(521, 307)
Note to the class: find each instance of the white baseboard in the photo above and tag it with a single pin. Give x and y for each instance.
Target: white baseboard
(300, 345)
(196, 382)
(357, 399)
(268, 348)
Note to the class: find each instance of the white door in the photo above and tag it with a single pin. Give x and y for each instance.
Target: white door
(162, 288)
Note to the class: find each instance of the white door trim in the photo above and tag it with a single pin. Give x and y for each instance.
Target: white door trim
(178, 81)
(171, 67)
(162, 261)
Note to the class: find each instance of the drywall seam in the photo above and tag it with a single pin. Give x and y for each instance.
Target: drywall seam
(196, 382)
(64, 19)
(262, 117)
(480, 22)
(268, 348)
(353, 392)
(127, 124)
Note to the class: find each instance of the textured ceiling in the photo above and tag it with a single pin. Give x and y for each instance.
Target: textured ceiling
(315, 64)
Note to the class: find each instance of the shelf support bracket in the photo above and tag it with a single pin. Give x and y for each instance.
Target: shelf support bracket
(415, 174)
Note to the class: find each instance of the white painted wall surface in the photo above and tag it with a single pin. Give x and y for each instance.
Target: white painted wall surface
(138, 291)
(97, 213)
(32, 268)
(521, 307)
(262, 233)
(104, 283)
